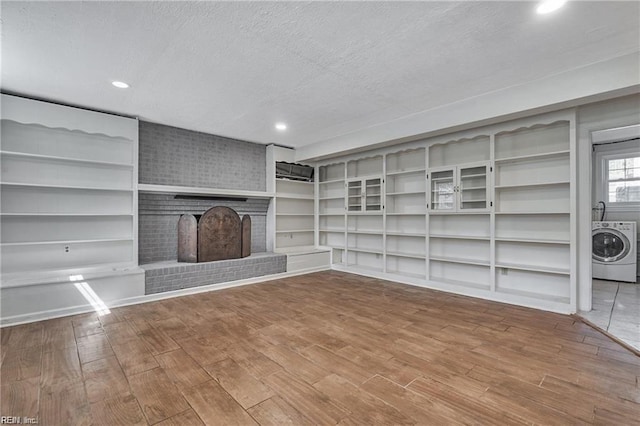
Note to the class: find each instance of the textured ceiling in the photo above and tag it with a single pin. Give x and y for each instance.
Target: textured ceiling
(327, 69)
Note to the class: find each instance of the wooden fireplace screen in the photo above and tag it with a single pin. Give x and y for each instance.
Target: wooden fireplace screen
(219, 234)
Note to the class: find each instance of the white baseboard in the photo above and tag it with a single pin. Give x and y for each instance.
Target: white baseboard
(45, 314)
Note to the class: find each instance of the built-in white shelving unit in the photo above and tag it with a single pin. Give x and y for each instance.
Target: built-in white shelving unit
(292, 221)
(68, 209)
(533, 184)
(68, 192)
(294, 214)
(405, 213)
(364, 234)
(331, 210)
(490, 213)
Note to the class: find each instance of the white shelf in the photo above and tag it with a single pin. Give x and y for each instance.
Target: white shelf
(338, 231)
(294, 214)
(193, 190)
(86, 188)
(460, 260)
(406, 214)
(365, 232)
(460, 237)
(405, 234)
(409, 255)
(529, 185)
(396, 194)
(534, 295)
(541, 156)
(64, 214)
(362, 268)
(331, 198)
(300, 250)
(405, 274)
(473, 176)
(531, 212)
(65, 159)
(532, 241)
(366, 177)
(460, 283)
(293, 231)
(294, 196)
(40, 243)
(326, 182)
(533, 268)
(362, 250)
(405, 172)
(449, 212)
(330, 214)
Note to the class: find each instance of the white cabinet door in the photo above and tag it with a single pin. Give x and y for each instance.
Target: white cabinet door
(473, 187)
(442, 184)
(364, 195)
(460, 188)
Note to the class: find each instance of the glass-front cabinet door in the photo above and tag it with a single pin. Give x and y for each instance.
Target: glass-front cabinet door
(354, 195)
(442, 189)
(364, 195)
(473, 187)
(372, 194)
(460, 188)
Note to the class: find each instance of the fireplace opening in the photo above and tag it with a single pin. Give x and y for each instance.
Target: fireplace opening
(217, 234)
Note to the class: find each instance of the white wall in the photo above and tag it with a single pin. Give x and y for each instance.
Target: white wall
(618, 112)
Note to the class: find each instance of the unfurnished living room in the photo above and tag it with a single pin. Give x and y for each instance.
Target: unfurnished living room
(320, 213)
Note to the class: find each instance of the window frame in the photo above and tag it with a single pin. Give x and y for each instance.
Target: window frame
(602, 177)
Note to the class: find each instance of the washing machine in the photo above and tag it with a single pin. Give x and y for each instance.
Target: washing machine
(614, 251)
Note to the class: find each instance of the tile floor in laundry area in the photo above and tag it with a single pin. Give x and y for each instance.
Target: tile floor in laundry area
(616, 309)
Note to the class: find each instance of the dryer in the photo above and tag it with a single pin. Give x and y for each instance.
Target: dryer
(614, 251)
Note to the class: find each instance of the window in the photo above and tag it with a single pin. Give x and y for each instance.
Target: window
(617, 175)
(623, 179)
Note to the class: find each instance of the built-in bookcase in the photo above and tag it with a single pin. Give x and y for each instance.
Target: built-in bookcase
(489, 214)
(405, 213)
(331, 210)
(294, 214)
(68, 182)
(292, 222)
(533, 211)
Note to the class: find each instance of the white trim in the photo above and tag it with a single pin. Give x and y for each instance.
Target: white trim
(74, 310)
(615, 135)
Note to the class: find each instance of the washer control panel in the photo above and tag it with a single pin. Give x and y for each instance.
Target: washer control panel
(622, 226)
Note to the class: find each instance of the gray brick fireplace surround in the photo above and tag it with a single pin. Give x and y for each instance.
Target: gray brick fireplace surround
(179, 157)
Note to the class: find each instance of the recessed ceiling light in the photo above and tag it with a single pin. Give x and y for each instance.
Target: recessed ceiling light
(548, 6)
(120, 84)
(281, 126)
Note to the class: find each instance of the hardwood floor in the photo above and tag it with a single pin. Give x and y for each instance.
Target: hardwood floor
(323, 348)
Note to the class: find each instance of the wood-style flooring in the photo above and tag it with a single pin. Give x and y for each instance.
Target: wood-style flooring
(325, 348)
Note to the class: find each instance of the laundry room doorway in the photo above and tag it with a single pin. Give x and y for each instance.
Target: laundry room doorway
(615, 200)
